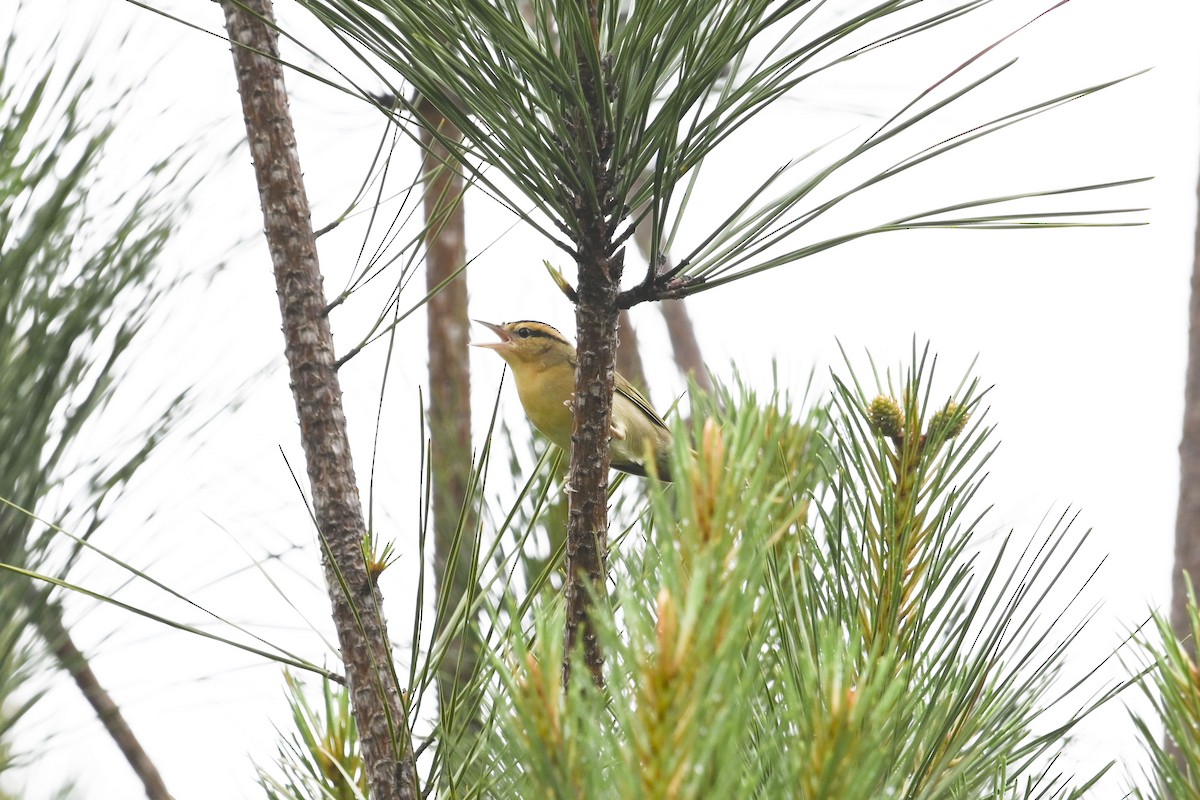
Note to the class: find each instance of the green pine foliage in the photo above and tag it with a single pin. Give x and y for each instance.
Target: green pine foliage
(320, 758)
(79, 278)
(1171, 683)
(807, 612)
(20, 662)
(522, 81)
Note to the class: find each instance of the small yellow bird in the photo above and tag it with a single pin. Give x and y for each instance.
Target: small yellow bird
(543, 366)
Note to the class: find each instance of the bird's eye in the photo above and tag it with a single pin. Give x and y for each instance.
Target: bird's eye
(524, 333)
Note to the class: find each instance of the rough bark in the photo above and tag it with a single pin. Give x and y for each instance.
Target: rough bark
(308, 346)
(449, 399)
(596, 314)
(47, 618)
(1187, 518)
(587, 519)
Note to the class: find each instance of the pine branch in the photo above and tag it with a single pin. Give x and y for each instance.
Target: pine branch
(629, 357)
(684, 343)
(47, 618)
(308, 345)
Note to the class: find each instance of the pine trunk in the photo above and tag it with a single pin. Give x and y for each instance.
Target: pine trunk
(1187, 518)
(449, 400)
(308, 346)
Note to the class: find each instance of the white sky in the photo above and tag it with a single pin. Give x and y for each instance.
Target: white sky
(1081, 332)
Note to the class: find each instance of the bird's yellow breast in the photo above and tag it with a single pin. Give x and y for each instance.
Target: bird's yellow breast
(545, 394)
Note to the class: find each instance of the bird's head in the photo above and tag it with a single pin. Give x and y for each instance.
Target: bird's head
(526, 343)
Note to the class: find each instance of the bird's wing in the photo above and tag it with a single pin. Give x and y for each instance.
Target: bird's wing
(627, 389)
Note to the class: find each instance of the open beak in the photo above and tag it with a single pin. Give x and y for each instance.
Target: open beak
(505, 337)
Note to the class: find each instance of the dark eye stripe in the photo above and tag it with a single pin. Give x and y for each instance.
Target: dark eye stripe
(526, 332)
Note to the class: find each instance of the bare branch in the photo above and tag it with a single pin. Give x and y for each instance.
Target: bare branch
(629, 358)
(47, 617)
